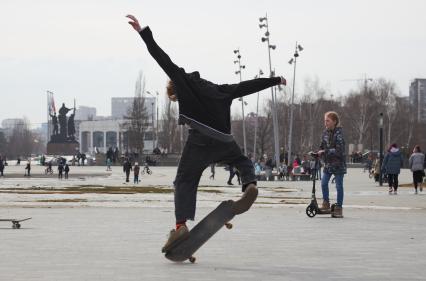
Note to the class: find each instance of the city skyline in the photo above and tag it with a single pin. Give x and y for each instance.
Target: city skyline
(87, 51)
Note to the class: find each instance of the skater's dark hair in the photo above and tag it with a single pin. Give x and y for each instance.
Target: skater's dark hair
(334, 116)
(170, 91)
(417, 148)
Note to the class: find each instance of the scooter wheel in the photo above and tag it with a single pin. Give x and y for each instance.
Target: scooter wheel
(311, 211)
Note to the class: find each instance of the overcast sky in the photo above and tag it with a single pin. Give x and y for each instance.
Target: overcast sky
(85, 49)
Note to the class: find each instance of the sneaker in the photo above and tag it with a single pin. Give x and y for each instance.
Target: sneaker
(325, 207)
(244, 203)
(421, 188)
(390, 190)
(230, 183)
(338, 212)
(175, 236)
(415, 191)
(395, 192)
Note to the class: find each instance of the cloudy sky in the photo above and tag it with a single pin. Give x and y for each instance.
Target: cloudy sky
(85, 49)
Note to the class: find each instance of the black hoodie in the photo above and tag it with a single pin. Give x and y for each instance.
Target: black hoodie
(203, 105)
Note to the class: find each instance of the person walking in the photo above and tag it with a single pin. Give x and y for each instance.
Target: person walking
(127, 167)
(108, 163)
(28, 169)
(212, 170)
(205, 107)
(269, 166)
(1, 166)
(66, 170)
(232, 173)
(392, 167)
(332, 149)
(60, 170)
(416, 164)
(136, 170)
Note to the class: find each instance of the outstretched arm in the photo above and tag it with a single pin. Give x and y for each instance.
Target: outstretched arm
(156, 52)
(251, 86)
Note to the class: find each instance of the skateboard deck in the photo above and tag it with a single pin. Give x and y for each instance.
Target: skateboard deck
(202, 232)
(15, 222)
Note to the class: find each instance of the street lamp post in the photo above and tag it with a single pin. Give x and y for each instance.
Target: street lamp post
(156, 123)
(290, 133)
(381, 148)
(274, 111)
(240, 67)
(152, 115)
(257, 117)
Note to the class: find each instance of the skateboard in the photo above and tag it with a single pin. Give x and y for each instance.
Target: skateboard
(202, 232)
(15, 222)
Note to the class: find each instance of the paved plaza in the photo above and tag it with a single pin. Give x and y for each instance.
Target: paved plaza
(79, 234)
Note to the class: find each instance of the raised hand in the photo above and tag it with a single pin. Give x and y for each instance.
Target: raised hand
(134, 23)
(283, 81)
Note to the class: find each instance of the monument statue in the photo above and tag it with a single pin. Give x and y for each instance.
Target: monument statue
(55, 123)
(63, 121)
(71, 126)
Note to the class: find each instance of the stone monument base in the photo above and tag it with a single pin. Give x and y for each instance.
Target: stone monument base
(67, 148)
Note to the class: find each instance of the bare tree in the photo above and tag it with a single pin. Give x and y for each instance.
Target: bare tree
(3, 144)
(360, 109)
(137, 119)
(386, 94)
(169, 136)
(21, 141)
(265, 135)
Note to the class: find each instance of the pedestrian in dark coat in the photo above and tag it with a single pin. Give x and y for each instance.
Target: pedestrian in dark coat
(127, 167)
(60, 170)
(66, 170)
(1, 167)
(392, 167)
(28, 169)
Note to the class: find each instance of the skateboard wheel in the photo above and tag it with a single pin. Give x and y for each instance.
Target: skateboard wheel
(18, 225)
(228, 225)
(13, 226)
(192, 259)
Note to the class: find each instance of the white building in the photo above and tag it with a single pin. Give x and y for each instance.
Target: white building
(103, 134)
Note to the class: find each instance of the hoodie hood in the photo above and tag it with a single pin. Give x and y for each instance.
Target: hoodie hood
(394, 150)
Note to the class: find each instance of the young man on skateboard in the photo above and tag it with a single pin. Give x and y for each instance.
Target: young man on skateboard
(205, 108)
